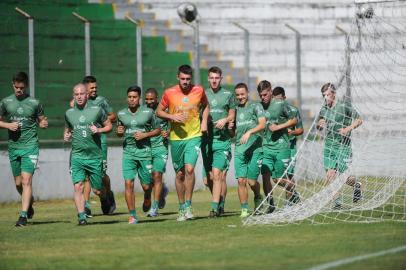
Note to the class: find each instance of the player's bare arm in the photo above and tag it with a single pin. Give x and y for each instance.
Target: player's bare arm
(205, 116)
(42, 121)
(142, 135)
(13, 126)
(261, 126)
(67, 134)
(107, 127)
(177, 117)
(290, 123)
(356, 123)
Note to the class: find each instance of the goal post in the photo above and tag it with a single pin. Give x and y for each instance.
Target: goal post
(368, 183)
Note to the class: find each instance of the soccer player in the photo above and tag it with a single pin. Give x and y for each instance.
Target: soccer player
(21, 115)
(293, 132)
(97, 100)
(184, 102)
(276, 144)
(339, 118)
(249, 124)
(137, 124)
(84, 123)
(216, 143)
(159, 145)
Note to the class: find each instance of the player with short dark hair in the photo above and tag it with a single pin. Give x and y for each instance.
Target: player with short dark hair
(137, 124)
(21, 115)
(276, 143)
(216, 143)
(159, 147)
(181, 105)
(94, 99)
(293, 132)
(249, 124)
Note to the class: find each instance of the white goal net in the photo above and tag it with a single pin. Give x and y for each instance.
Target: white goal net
(374, 84)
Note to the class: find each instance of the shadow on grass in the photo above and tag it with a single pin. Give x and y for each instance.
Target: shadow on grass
(230, 214)
(114, 214)
(153, 220)
(167, 213)
(46, 222)
(103, 222)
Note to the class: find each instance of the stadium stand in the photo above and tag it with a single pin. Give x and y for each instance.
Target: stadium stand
(59, 54)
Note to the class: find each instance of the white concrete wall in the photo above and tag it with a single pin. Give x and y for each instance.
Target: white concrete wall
(52, 179)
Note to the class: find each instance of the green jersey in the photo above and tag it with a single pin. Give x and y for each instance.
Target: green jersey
(277, 112)
(143, 120)
(299, 124)
(246, 119)
(220, 103)
(158, 141)
(103, 103)
(26, 112)
(339, 116)
(85, 144)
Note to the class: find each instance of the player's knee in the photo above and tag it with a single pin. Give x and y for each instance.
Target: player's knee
(242, 182)
(26, 181)
(146, 187)
(78, 187)
(189, 169)
(180, 175)
(129, 185)
(97, 192)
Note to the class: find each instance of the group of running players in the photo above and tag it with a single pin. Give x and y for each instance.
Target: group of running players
(189, 119)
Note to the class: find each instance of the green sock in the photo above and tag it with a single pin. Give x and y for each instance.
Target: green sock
(214, 206)
(23, 214)
(182, 206)
(133, 213)
(87, 204)
(155, 204)
(222, 203)
(82, 216)
(244, 205)
(188, 203)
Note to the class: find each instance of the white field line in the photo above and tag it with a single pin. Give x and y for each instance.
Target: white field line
(357, 258)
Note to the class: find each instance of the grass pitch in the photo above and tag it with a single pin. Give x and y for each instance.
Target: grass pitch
(52, 240)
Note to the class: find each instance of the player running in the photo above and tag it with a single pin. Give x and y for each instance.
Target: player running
(84, 124)
(21, 115)
(181, 105)
(339, 119)
(97, 100)
(249, 124)
(159, 145)
(216, 143)
(276, 144)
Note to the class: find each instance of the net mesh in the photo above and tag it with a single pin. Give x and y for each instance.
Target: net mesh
(373, 86)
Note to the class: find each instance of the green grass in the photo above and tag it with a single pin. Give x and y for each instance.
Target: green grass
(53, 240)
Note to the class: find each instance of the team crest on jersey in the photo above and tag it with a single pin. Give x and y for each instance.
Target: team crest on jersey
(214, 102)
(242, 116)
(267, 114)
(185, 99)
(20, 110)
(133, 122)
(82, 119)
